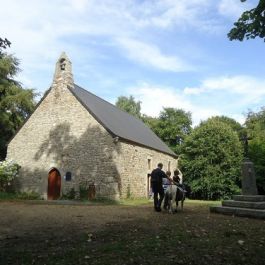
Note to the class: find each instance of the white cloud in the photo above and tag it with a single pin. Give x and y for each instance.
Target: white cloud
(44, 23)
(232, 8)
(150, 55)
(147, 32)
(230, 94)
(79, 5)
(216, 96)
(41, 30)
(154, 98)
(251, 89)
(239, 118)
(187, 14)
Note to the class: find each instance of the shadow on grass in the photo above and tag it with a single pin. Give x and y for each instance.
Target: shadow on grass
(146, 237)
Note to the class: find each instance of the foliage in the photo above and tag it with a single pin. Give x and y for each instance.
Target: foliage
(211, 160)
(128, 193)
(16, 103)
(255, 123)
(172, 126)
(129, 105)
(151, 122)
(236, 126)
(69, 195)
(6, 196)
(83, 192)
(4, 43)
(27, 196)
(251, 24)
(8, 173)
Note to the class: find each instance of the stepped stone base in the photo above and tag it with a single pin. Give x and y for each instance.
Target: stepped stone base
(243, 205)
(250, 198)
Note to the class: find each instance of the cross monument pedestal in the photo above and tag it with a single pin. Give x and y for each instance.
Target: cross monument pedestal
(249, 204)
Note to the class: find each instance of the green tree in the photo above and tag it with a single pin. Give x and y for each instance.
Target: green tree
(172, 126)
(16, 103)
(129, 105)
(236, 126)
(251, 24)
(255, 124)
(211, 160)
(151, 122)
(4, 43)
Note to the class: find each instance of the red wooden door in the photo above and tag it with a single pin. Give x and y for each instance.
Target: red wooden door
(54, 184)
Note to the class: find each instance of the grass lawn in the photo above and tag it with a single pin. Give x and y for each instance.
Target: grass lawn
(142, 236)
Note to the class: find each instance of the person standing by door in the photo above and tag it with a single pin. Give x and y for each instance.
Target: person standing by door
(157, 176)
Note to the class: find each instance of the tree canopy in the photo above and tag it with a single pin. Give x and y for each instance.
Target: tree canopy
(16, 103)
(211, 159)
(129, 105)
(172, 126)
(4, 43)
(251, 24)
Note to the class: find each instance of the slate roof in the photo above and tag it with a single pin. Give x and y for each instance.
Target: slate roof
(118, 122)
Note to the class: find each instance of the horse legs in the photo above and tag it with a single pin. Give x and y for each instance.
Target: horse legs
(177, 204)
(172, 203)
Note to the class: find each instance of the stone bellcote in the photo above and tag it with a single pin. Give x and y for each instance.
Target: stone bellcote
(63, 72)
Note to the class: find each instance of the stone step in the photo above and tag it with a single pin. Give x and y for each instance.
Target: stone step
(244, 204)
(249, 198)
(244, 212)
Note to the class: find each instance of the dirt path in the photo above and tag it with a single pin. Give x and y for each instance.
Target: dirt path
(49, 221)
(116, 234)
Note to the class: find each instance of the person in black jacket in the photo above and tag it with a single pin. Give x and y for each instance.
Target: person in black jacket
(157, 176)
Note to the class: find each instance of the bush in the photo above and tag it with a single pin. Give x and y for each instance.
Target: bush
(8, 173)
(69, 195)
(83, 192)
(28, 196)
(5, 196)
(211, 161)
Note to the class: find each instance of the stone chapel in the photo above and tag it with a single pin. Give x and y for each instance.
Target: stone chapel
(75, 139)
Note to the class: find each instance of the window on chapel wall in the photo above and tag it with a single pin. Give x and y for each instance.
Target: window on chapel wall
(68, 176)
(168, 166)
(149, 163)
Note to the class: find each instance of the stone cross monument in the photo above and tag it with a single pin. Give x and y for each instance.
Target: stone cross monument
(249, 203)
(249, 186)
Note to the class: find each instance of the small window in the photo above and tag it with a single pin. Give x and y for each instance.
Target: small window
(68, 176)
(62, 64)
(168, 166)
(149, 163)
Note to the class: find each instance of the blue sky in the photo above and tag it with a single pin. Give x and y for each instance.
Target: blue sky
(166, 53)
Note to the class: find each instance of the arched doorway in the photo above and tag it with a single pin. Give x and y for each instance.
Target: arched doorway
(54, 184)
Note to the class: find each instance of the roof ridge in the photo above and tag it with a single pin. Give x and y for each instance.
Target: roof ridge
(102, 99)
(118, 122)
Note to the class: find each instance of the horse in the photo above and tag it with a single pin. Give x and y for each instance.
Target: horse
(174, 194)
